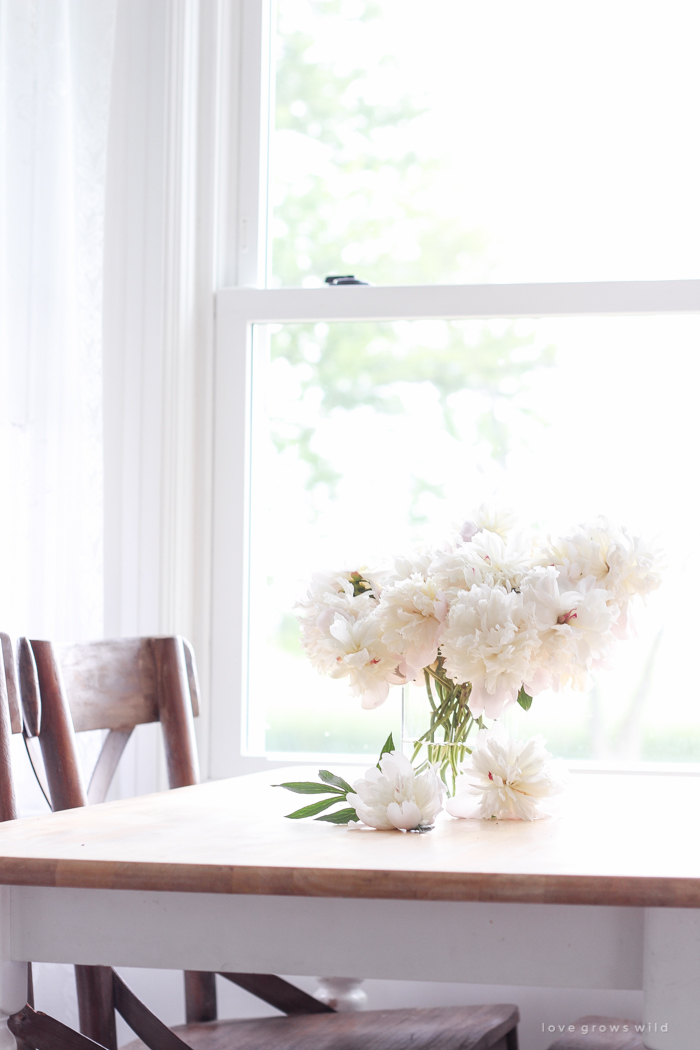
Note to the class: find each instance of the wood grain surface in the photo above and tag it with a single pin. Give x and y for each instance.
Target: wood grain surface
(442, 1028)
(616, 840)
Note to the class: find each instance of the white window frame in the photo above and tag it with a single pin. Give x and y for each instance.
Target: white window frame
(239, 308)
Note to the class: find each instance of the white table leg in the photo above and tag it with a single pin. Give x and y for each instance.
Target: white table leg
(672, 979)
(13, 976)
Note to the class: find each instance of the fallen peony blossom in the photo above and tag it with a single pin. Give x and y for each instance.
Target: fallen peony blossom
(393, 796)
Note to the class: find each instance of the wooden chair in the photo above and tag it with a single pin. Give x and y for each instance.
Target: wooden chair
(588, 1035)
(46, 1032)
(116, 685)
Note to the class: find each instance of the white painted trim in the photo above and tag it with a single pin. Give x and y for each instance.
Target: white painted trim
(255, 102)
(410, 302)
(230, 558)
(167, 183)
(13, 975)
(542, 945)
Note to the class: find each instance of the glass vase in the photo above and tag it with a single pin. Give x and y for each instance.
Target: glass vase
(436, 723)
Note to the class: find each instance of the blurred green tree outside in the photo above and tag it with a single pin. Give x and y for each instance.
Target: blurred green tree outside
(339, 212)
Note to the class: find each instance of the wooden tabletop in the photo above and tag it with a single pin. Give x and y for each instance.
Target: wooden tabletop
(617, 839)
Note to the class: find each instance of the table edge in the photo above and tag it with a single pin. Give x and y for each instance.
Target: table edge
(630, 891)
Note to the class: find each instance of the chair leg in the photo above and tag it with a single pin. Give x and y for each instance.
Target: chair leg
(21, 1044)
(96, 1004)
(200, 996)
(512, 1039)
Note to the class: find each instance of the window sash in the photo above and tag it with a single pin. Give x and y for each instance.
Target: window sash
(238, 310)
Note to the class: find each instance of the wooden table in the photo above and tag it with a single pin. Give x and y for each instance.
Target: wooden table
(604, 895)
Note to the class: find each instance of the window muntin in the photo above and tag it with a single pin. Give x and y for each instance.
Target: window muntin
(485, 142)
(370, 437)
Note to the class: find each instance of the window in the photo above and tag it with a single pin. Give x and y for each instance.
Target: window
(471, 142)
(527, 218)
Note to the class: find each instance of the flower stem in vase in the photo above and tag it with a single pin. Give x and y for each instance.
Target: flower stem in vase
(450, 722)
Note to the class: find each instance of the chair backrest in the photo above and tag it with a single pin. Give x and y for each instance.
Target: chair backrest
(28, 675)
(114, 684)
(50, 692)
(55, 691)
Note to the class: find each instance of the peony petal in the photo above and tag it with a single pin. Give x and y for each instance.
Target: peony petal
(463, 805)
(375, 696)
(405, 816)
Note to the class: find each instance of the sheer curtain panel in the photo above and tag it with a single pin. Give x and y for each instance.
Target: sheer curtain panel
(55, 71)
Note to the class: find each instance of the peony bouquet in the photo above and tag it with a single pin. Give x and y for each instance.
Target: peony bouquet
(492, 618)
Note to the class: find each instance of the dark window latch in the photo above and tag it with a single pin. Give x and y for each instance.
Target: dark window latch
(349, 278)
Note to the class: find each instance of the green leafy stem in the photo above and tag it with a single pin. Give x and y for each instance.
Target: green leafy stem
(451, 722)
(328, 784)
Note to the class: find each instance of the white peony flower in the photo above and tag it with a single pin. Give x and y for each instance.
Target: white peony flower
(495, 519)
(411, 614)
(468, 531)
(486, 559)
(489, 640)
(508, 777)
(393, 796)
(360, 655)
(341, 636)
(624, 565)
(489, 519)
(329, 595)
(575, 626)
(418, 562)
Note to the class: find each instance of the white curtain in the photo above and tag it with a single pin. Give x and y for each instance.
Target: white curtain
(55, 68)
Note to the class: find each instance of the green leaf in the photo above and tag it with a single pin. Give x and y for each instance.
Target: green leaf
(341, 816)
(338, 782)
(313, 809)
(524, 700)
(388, 746)
(307, 787)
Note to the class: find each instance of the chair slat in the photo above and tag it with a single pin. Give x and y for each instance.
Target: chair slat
(106, 765)
(110, 684)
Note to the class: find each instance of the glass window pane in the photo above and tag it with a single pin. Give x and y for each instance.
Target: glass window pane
(370, 438)
(470, 141)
